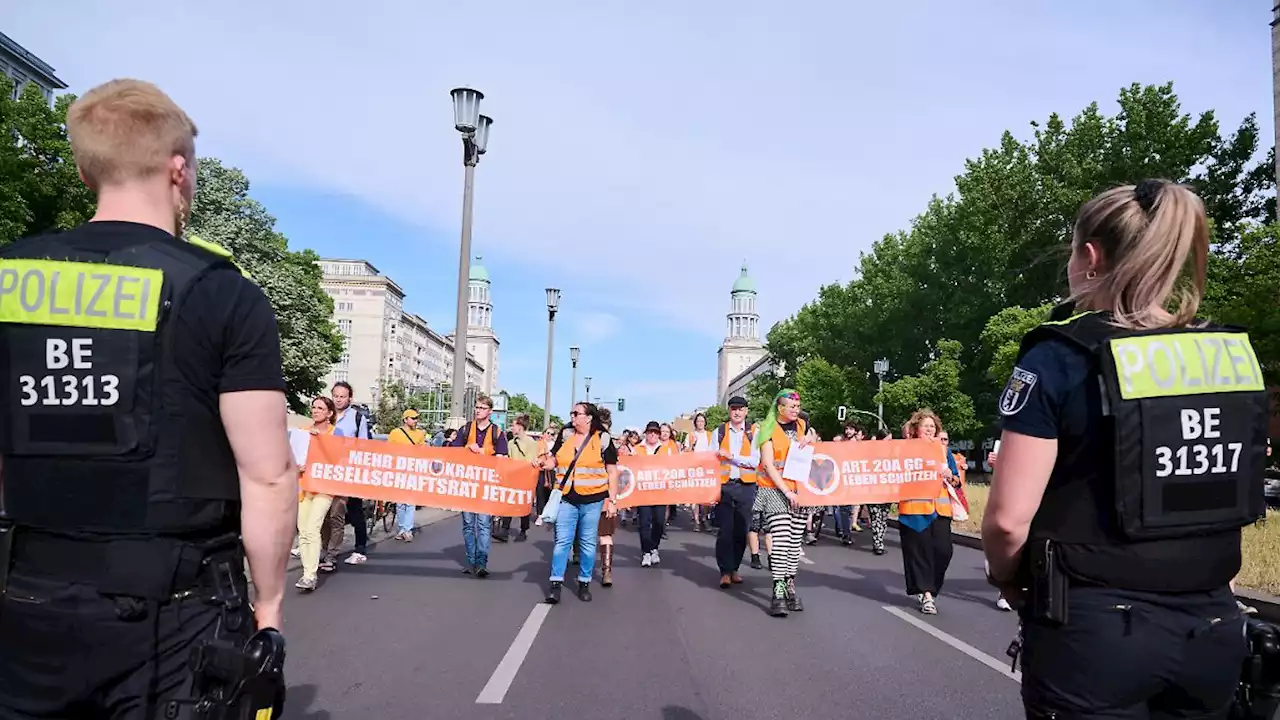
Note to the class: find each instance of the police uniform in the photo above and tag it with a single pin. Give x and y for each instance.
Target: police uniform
(120, 493)
(1161, 445)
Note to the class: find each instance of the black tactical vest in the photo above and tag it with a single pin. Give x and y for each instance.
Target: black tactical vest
(1184, 419)
(91, 428)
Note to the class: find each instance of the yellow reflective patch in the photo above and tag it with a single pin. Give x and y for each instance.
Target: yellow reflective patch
(1185, 364)
(263, 714)
(76, 294)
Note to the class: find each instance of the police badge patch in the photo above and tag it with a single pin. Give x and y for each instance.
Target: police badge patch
(1017, 391)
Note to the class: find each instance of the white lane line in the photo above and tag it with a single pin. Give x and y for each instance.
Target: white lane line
(500, 681)
(962, 646)
(806, 560)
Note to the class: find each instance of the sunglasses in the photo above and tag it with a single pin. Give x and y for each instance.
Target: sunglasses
(575, 413)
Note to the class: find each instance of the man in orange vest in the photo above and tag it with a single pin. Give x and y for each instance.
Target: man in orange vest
(482, 437)
(738, 460)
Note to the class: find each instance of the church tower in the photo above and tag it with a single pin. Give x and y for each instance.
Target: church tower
(481, 341)
(742, 346)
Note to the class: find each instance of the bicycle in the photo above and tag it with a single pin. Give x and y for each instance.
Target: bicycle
(375, 510)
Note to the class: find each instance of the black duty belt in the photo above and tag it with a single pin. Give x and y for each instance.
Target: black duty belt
(154, 568)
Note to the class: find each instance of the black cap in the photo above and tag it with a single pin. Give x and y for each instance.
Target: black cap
(653, 427)
(737, 401)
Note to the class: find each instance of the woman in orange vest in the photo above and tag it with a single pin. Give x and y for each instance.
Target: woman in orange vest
(925, 524)
(784, 519)
(653, 518)
(313, 508)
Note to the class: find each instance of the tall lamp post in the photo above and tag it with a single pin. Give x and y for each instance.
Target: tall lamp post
(588, 379)
(475, 136)
(574, 353)
(881, 367)
(553, 302)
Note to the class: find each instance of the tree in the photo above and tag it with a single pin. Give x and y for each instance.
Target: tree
(1001, 241)
(936, 388)
(717, 415)
(40, 188)
(1003, 336)
(224, 213)
(822, 390)
(518, 404)
(393, 400)
(761, 391)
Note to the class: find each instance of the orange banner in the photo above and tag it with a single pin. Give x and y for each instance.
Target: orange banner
(878, 471)
(438, 477)
(680, 479)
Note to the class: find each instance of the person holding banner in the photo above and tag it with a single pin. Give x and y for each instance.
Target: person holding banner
(653, 518)
(776, 498)
(407, 434)
(878, 513)
(586, 466)
(313, 508)
(739, 458)
(925, 524)
(482, 437)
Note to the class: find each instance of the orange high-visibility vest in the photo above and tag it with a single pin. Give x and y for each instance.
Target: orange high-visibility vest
(781, 448)
(748, 477)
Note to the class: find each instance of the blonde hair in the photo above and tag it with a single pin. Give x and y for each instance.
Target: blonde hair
(1154, 240)
(912, 428)
(126, 130)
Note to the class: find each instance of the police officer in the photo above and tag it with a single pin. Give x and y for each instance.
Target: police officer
(143, 439)
(1133, 445)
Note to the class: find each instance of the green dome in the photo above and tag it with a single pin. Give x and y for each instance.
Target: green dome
(744, 283)
(478, 273)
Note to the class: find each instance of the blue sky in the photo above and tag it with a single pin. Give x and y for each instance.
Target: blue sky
(640, 151)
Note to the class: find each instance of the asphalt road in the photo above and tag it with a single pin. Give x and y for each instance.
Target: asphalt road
(407, 636)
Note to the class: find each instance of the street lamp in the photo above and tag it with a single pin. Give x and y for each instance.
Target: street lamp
(574, 353)
(588, 389)
(553, 302)
(881, 367)
(475, 137)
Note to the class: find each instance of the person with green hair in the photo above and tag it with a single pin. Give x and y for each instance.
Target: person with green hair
(784, 519)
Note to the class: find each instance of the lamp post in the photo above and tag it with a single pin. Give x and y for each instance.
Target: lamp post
(553, 302)
(475, 136)
(588, 379)
(881, 367)
(574, 353)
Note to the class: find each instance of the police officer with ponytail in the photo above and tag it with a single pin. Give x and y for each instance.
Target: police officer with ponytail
(143, 447)
(1133, 447)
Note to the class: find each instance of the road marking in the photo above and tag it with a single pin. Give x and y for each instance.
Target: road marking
(500, 681)
(806, 560)
(962, 646)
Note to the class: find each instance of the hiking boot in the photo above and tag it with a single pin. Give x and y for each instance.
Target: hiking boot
(584, 591)
(778, 604)
(553, 592)
(755, 561)
(793, 600)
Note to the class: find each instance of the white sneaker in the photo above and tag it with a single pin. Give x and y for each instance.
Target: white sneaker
(538, 521)
(296, 552)
(356, 558)
(1004, 604)
(656, 558)
(646, 560)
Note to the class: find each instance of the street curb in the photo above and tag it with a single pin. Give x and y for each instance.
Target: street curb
(1268, 605)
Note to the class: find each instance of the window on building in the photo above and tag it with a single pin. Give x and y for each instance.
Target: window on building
(344, 360)
(344, 327)
(341, 376)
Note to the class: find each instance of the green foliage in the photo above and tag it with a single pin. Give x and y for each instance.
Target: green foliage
(1003, 336)
(822, 389)
(224, 213)
(393, 400)
(937, 387)
(40, 188)
(981, 265)
(717, 415)
(517, 404)
(761, 391)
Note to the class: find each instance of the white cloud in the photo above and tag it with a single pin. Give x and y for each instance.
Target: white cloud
(594, 327)
(639, 154)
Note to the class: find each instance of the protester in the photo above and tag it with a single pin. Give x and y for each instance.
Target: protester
(350, 422)
(925, 524)
(521, 447)
(777, 500)
(586, 466)
(482, 437)
(739, 458)
(653, 518)
(313, 508)
(408, 433)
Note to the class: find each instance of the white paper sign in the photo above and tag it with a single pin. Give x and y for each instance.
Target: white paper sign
(299, 442)
(798, 462)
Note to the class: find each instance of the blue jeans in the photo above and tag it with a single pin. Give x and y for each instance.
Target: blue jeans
(582, 522)
(477, 535)
(404, 517)
(844, 520)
